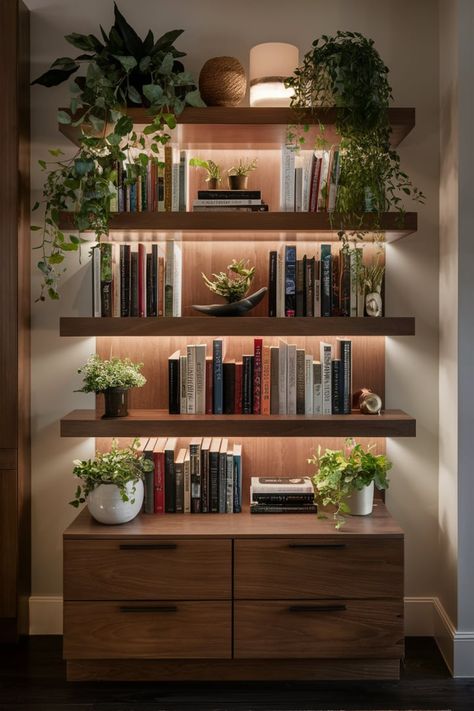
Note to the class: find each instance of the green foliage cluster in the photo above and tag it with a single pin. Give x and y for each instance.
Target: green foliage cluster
(119, 467)
(99, 375)
(234, 283)
(339, 472)
(244, 167)
(122, 70)
(214, 171)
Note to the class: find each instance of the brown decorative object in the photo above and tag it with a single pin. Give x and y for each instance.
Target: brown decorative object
(222, 82)
(238, 182)
(369, 402)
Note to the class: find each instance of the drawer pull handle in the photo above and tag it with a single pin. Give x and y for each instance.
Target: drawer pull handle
(316, 545)
(147, 546)
(160, 608)
(317, 608)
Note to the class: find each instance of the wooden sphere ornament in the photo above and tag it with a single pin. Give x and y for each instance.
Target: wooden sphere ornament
(369, 402)
(222, 82)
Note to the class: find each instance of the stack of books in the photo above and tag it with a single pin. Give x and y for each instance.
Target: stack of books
(309, 179)
(325, 284)
(281, 495)
(273, 380)
(229, 201)
(136, 280)
(204, 476)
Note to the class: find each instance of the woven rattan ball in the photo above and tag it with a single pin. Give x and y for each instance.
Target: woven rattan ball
(222, 81)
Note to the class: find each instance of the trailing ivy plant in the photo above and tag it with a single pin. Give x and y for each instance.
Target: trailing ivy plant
(346, 71)
(121, 71)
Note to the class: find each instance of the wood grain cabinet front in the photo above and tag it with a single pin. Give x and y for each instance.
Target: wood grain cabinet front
(148, 569)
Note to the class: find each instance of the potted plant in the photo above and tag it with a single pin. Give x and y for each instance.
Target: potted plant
(214, 173)
(112, 483)
(345, 479)
(122, 70)
(233, 285)
(238, 175)
(113, 378)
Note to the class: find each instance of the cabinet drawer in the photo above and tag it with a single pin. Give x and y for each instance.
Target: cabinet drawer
(318, 629)
(288, 569)
(147, 570)
(151, 630)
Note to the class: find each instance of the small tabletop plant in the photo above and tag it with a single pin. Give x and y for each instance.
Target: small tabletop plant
(214, 171)
(233, 284)
(238, 174)
(101, 375)
(118, 467)
(339, 472)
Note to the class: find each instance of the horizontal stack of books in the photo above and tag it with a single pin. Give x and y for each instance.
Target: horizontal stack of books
(136, 279)
(323, 285)
(229, 201)
(203, 477)
(281, 495)
(272, 380)
(309, 179)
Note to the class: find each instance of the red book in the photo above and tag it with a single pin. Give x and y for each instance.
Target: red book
(209, 373)
(141, 280)
(238, 388)
(257, 375)
(314, 189)
(159, 477)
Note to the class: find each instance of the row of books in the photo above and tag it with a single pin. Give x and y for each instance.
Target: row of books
(281, 495)
(272, 380)
(136, 279)
(204, 477)
(309, 179)
(324, 285)
(161, 189)
(229, 201)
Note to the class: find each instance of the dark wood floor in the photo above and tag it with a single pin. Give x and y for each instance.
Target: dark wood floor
(32, 677)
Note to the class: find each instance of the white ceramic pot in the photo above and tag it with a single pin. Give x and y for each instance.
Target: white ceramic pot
(106, 506)
(361, 502)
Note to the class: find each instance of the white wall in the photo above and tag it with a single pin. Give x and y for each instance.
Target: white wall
(406, 34)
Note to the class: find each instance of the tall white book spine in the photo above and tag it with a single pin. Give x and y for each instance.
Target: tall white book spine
(317, 389)
(282, 377)
(326, 377)
(291, 379)
(183, 384)
(308, 385)
(287, 184)
(200, 370)
(191, 379)
(177, 278)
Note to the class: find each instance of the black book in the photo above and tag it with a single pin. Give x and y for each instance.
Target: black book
(173, 384)
(309, 286)
(124, 280)
(214, 475)
(272, 284)
(336, 267)
(345, 283)
(285, 499)
(229, 387)
(154, 281)
(300, 299)
(134, 284)
(326, 280)
(206, 443)
(247, 384)
(336, 385)
(290, 280)
(170, 479)
(268, 509)
(345, 347)
(106, 279)
(229, 195)
(149, 285)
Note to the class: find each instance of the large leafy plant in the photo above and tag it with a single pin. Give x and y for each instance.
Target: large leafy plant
(121, 71)
(99, 375)
(118, 467)
(346, 71)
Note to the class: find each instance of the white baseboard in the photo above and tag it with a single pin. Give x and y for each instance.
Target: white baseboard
(46, 614)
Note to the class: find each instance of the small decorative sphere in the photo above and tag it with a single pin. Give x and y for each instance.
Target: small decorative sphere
(222, 82)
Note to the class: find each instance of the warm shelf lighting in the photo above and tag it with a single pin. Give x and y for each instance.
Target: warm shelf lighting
(270, 64)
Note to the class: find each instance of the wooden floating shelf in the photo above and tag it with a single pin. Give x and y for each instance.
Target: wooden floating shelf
(238, 326)
(249, 127)
(149, 423)
(392, 224)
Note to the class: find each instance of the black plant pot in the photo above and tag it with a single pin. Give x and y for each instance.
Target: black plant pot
(116, 402)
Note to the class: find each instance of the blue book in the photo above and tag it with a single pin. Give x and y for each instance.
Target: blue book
(217, 377)
(326, 280)
(133, 197)
(237, 478)
(290, 280)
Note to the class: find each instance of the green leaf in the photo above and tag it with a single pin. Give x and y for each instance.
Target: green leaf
(53, 294)
(193, 98)
(42, 164)
(83, 167)
(170, 120)
(43, 267)
(133, 95)
(53, 77)
(131, 40)
(63, 117)
(153, 92)
(167, 64)
(35, 206)
(123, 126)
(166, 40)
(35, 228)
(56, 258)
(74, 239)
(81, 41)
(145, 63)
(128, 62)
(148, 130)
(97, 123)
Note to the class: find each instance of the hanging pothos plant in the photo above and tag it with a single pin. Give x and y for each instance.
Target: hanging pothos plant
(122, 71)
(346, 71)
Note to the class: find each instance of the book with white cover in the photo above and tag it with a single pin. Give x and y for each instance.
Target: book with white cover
(282, 377)
(291, 379)
(326, 377)
(280, 485)
(175, 180)
(183, 384)
(200, 378)
(116, 280)
(317, 389)
(177, 279)
(287, 179)
(191, 379)
(308, 385)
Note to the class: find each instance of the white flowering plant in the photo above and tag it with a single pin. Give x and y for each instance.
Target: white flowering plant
(100, 375)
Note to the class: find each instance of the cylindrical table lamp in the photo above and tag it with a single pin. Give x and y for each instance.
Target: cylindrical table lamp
(270, 64)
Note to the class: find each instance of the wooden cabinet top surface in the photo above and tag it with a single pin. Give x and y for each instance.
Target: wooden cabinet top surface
(243, 525)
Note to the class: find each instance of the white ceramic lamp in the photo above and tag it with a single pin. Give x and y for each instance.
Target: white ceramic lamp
(270, 64)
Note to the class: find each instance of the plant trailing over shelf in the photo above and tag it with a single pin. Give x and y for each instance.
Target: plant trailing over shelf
(233, 284)
(117, 467)
(347, 71)
(339, 472)
(100, 375)
(122, 70)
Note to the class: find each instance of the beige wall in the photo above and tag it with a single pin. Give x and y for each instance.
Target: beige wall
(406, 34)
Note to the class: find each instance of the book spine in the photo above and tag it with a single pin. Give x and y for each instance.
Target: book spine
(257, 376)
(353, 271)
(238, 389)
(195, 465)
(217, 379)
(116, 304)
(139, 194)
(160, 297)
(205, 481)
(106, 279)
(179, 483)
(317, 288)
(200, 377)
(283, 378)
(231, 195)
(177, 277)
(125, 280)
(229, 388)
(154, 282)
(290, 280)
(274, 380)
(134, 284)
(229, 496)
(360, 288)
(159, 482)
(282, 499)
(287, 183)
(326, 373)
(191, 379)
(133, 197)
(149, 501)
(222, 481)
(182, 187)
(169, 270)
(346, 375)
(226, 203)
(317, 389)
(336, 387)
(266, 383)
(291, 380)
(247, 384)
(141, 280)
(231, 208)
(175, 186)
(345, 295)
(209, 367)
(323, 182)
(326, 280)
(187, 484)
(183, 384)
(308, 385)
(334, 180)
(170, 484)
(280, 295)
(336, 268)
(237, 479)
(264, 509)
(214, 482)
(149, 285)
(309, 287)
(272, 284)
(120, 188)
(168, 179)
(300, 297)
(173, 387)
(315, 185)
(300, 381)
(96, 301)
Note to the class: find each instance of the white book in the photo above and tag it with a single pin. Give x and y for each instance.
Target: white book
(298, 184)
(353, 278)
(326, 377)
(175, 181)
(280, 485)
(280, 283)
(229, 501)
(116, 280)
(187, 483)
(183, 181)
(317, 389)
(307, 167)
(308, 385)
(183, 384)
(323, 181)
(287, 179)
(291, 379)
(177, 279)
(317, 288)
(191, 379)
(282, 377)
(200, 378)
(223, 202)
(96, 298)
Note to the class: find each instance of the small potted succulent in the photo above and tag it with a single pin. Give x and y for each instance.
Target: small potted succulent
(233, 285)
(238, 175)
(114, 378)
(214, 172)
(345, 479)
(112, 483)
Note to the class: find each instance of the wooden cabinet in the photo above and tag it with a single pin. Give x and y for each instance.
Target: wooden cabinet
(233, 597)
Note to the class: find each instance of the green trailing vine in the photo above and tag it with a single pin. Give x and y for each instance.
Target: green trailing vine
(121, 71)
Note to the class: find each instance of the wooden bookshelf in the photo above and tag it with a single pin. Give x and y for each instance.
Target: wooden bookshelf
(148, 423)
(86, 327)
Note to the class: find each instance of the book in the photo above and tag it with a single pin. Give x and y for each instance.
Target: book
(345, 351)
(282, 377)
(298, 198)
(345, 289)
(283, 499)
(176, 280)
(326, 377)
(222, 482)
(187, 482)
(217, 377)
(309, 287)
(291, 379)
(308, 385)
(290, 280)
(272, 283)
(195, 465)
(300, 381)
(153, 300)
(200, 378)
(228, 370)
(170, 482)
(333, 182)
(237, 478)
(317, 388)
(169, 273)
(179, 480)
(141, 280)
(247, 384)
(149, 284)
(238, 388)
(174, 389)
(280, 485)
(243, 202)
(116, 305)
(209, 375)
(336, 283)
(124, 280)
(168, 169)
(317, 288)
(96, 300)
(106, 279)
(149, 500)
(231, 208)
(229, 500)
(265, 509)
(183, 384)
(326, 280)
(257, 376)
(159, 475)
(353, 281)
(191, 379)
(266, 382)
(229, 195)
(133, 283)
(287, 179)
(274, 380)
(205, 447)
(300, 294)
(160, 297)
(336, 387)
(280, 277)
(214, 474)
